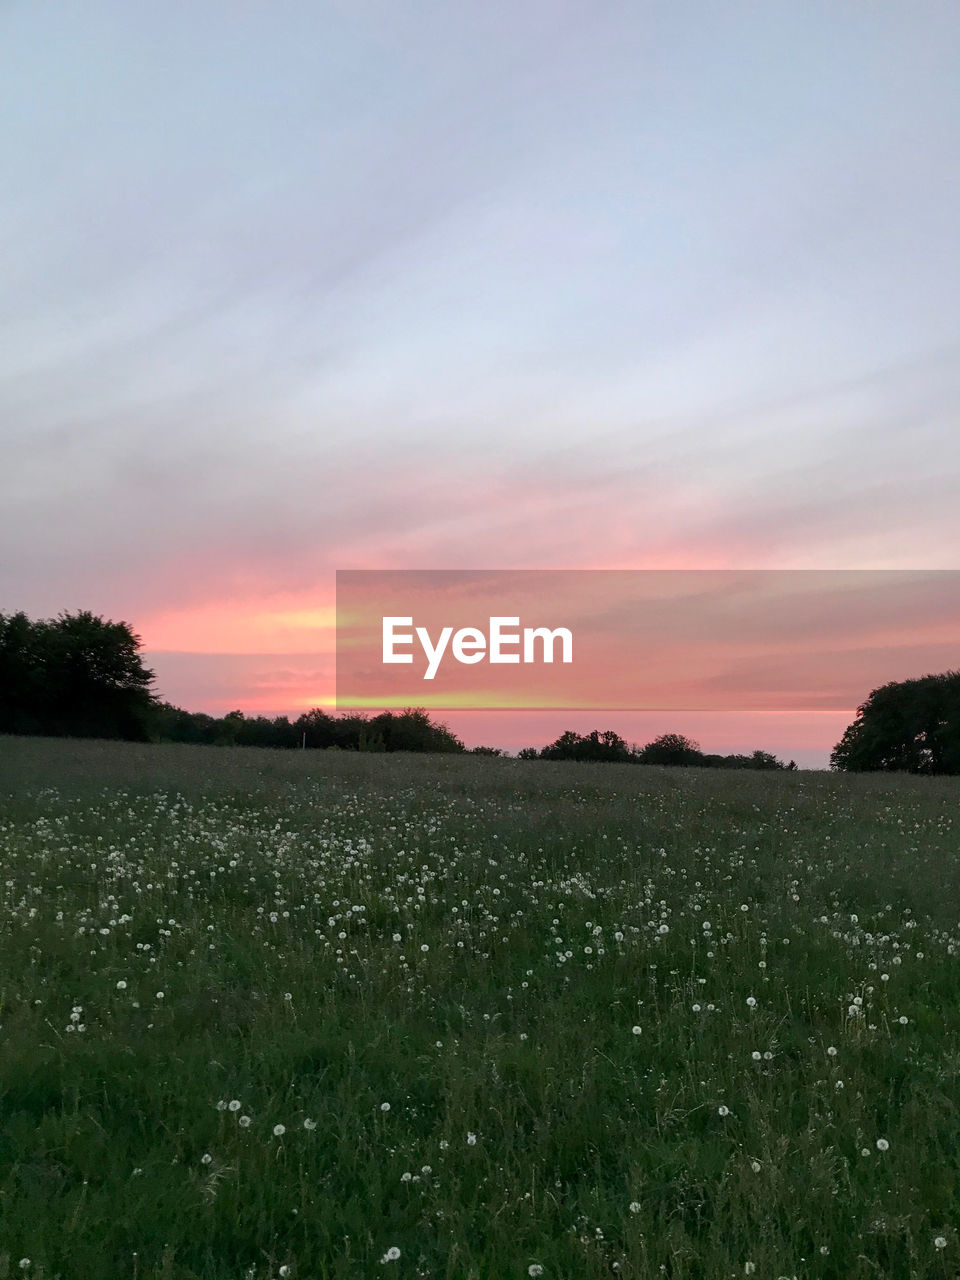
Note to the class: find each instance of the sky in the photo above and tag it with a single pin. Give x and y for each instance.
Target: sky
(295, 288)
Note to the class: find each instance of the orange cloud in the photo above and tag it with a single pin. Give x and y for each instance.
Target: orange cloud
(292, 623)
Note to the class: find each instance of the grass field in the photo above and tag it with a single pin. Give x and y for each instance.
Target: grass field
(286, 1014)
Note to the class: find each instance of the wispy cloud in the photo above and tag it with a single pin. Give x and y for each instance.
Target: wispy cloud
(478, 285)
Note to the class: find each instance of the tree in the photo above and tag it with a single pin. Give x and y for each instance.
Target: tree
(668, 749)
(408, 730)
(911, 726)
(606, 746)
(672, 748)
(172, 724)
(23, 693)
(76, 675)
(315, 729)
(767, 760)
(102, 686)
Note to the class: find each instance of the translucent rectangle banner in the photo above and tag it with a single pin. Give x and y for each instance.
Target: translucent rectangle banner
(639, 640)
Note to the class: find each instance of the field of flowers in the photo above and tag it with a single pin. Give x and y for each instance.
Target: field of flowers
(324, 1016)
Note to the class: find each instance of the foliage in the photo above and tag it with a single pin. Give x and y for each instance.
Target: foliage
(605, 746)
(911, 726)
(76, 675)
(408, 730)
(667, 749)
(672, 748)
(756, 760)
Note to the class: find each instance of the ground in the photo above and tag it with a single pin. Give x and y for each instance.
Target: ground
(325, 1015)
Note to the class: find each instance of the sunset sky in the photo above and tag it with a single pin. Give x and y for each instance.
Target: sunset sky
(293, 288)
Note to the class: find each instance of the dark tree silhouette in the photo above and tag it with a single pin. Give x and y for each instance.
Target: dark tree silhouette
(76, 675)
(668, 749)
(608, 746)
(409, 730)
(672, 748)
(911, 726)
(24, 697)
(756, 760)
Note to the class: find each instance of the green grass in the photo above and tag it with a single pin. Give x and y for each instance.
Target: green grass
(473, 941)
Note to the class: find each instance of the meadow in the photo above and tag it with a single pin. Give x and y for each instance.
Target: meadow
(329, 1015)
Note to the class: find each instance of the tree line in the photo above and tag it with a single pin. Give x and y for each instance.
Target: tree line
(667, 749)
(408, 730)
(78, 675)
